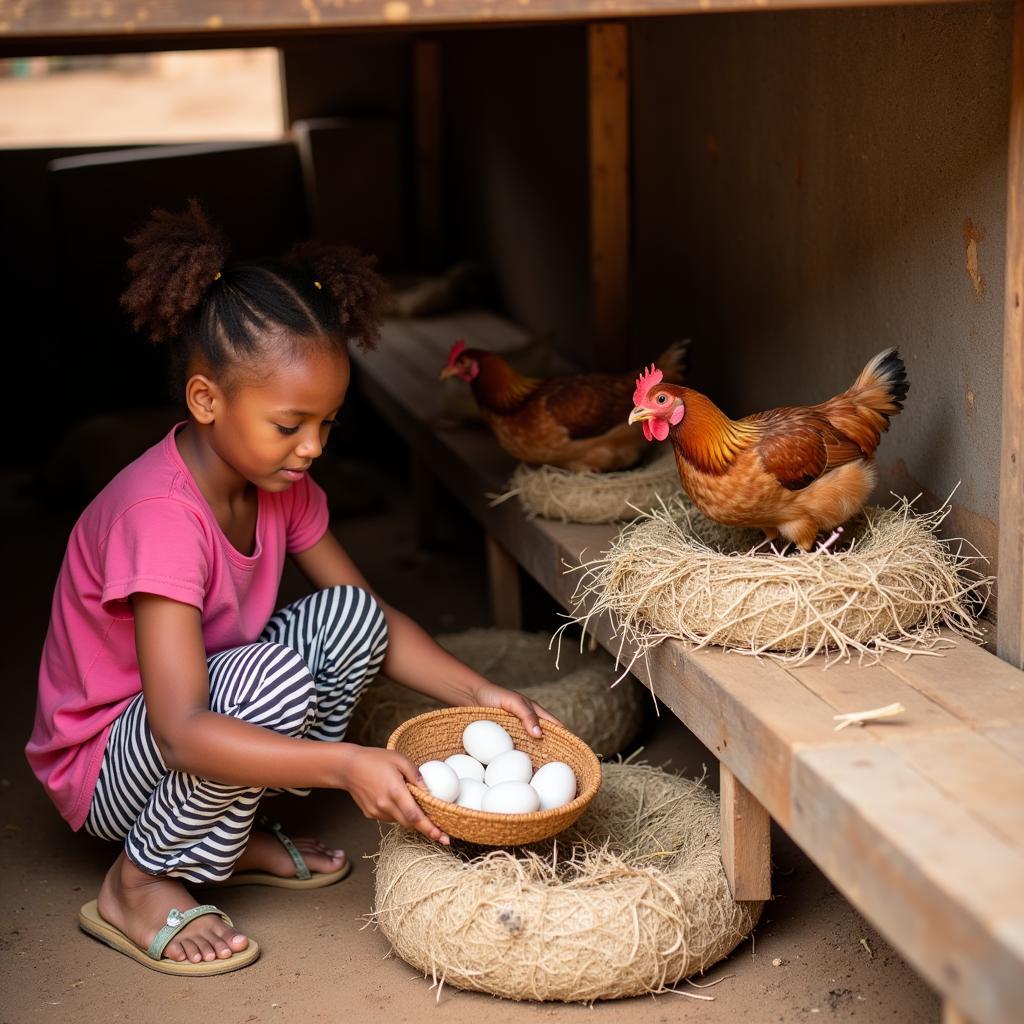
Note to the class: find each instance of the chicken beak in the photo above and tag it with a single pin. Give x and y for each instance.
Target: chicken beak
(447, 373)
(639, 414)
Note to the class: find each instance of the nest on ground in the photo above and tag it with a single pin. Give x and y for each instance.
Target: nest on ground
(579, 693)
(630, 900)
(553, 493)
(893, 585)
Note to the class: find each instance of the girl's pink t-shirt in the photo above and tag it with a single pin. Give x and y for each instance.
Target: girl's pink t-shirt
(149, 530)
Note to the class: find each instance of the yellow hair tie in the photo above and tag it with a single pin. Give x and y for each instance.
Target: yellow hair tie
(216, 276)
(317, 285)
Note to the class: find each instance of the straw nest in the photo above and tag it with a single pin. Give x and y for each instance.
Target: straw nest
(580, 694)
(630, 900)
(553, 493)
(893, 585)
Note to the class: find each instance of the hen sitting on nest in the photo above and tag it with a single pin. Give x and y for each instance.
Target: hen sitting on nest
(792, 471)
(573, 421)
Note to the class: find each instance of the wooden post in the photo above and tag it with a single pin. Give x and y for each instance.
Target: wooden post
(608, 64)
(503, 580)
(746, 840)
(1010, 614)
(426, 75)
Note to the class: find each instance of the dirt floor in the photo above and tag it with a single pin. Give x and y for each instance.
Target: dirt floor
(813, 958)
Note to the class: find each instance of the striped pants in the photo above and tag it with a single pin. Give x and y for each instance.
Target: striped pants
(302, 678)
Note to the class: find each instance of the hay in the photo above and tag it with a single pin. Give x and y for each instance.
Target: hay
(629, 901)
(580, 695)
(553, 493)
(892, 587)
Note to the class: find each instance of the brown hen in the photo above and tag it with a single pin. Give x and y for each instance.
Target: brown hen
(791, 471)
(575, 421)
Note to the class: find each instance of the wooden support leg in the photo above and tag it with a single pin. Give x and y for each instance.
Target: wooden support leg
(746, 840)
(952, 1015)
(503, 579)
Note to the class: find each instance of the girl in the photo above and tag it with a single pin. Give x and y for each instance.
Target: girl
(170, 698)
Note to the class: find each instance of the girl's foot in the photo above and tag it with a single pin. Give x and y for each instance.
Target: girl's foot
(137, 904)
(264, 852)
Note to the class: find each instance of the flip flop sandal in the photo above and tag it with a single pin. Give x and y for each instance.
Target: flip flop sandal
(303, 877)
(90, 921)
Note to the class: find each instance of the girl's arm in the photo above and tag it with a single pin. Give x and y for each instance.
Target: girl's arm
(193, 739)
(413, 658)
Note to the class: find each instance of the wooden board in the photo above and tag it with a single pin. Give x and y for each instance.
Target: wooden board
(746, 840)
(901, 815)
(1011, 483)
(87, 26)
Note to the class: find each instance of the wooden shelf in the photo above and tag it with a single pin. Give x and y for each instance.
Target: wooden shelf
(46, 26)
(920, 822)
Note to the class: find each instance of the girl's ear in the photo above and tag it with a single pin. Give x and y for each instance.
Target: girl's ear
(202, 396)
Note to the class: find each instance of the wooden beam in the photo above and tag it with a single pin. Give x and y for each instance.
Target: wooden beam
(608, 63)
(746, 840)
(503, 580)
(1010, 641)
(426, 105)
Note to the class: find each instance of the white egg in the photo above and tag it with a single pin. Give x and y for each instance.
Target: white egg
(465, 767)
(511, 798)
(555, 783)
(440, 780)
(512, 766)
(471, 794)
(485, 740)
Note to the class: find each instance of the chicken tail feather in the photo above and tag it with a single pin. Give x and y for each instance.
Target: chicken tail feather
(863, 412)
(674, 362)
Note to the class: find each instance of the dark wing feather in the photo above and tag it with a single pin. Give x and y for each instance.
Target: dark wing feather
(587, 405)
(799, 445)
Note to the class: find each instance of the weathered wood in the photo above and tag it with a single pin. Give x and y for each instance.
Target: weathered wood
(902, 816)
(73, 26)
(503, 581)
(941, 887)
(426, 74)
(746, 840)
(1011, 483)
(608, 113)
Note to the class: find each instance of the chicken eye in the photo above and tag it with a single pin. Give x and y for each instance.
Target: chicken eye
(662, 399)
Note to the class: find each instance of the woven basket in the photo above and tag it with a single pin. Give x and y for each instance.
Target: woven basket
(438, 734)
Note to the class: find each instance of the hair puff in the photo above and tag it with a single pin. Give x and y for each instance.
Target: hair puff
(177, 258)
(350, 278)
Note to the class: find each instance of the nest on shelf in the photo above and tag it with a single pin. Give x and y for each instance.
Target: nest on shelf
(893, 585)
(554, 493)
(579, 693)
(630, 900)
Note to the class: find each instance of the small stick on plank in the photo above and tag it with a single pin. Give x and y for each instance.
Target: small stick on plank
(860, 717)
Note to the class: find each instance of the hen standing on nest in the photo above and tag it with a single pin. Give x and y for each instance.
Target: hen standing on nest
(573, 421)
(790, 471)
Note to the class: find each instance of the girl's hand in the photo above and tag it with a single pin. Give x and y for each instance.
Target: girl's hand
(490, 695)
(376, 780)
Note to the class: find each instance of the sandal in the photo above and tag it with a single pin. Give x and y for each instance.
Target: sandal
(303, 877)
(90, 921)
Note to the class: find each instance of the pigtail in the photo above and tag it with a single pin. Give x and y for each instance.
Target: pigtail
(177, 257)
(349, 277)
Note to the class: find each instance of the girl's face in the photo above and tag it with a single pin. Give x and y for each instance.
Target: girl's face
(271, 432)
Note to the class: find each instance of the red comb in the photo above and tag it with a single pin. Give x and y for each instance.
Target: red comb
(650, 377)
(457, 349)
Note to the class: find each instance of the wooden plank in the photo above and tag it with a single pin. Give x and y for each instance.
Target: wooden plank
(608, 115)
(980, 690)
(952, 1015)
(89, 26)
(503, 582)
(937, 884)
(746, 840)
(426, 74)
(1010, 642)
(1008, 738)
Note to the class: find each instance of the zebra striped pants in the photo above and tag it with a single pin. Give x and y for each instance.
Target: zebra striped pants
(302, 678)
